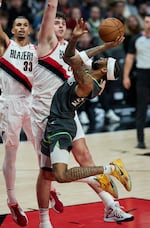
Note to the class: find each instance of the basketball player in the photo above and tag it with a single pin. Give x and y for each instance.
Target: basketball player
(18, 57)
(61, 127)
(50, 74)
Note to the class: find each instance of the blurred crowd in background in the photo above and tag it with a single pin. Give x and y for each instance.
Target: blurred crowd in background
(130, 12)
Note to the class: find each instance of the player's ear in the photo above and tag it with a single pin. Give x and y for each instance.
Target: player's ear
(95, 65)
(30, 30)
(104, 70)
(12, 31)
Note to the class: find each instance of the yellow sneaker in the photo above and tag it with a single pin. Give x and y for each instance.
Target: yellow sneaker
(121, 174)
(107, 184)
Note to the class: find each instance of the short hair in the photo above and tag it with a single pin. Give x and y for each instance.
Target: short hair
(21, 17)
(60, 14)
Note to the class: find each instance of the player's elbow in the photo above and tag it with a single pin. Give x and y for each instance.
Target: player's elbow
(66, 59)
(60, 178)
(69, 60)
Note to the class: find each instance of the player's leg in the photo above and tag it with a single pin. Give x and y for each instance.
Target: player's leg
(11, 136)
(142, 91)
(106, 188)
(84, 158)
(43, 191)
(38, 128)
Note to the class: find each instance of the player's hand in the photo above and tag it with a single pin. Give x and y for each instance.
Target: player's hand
(115, 43)
(103, 84)
(80, 29)
(127, 83)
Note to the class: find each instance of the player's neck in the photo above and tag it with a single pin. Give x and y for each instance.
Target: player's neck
(61, 40)
(22, 42)
(146, 33)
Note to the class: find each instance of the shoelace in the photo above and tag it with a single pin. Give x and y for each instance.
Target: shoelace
(118, 211)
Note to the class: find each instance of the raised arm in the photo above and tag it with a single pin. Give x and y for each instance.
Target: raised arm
(4, 39)
(47, 38)
(76, 61)
(99, 49)
(85, 83)
(70, 56)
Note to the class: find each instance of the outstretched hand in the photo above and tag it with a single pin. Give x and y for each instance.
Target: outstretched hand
(80, 29)
(115, 43)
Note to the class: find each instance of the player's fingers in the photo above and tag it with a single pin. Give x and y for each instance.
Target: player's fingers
(120, 38)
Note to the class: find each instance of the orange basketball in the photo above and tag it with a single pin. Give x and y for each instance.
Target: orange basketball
(110, 29)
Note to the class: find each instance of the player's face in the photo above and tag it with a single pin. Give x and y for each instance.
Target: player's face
(60, 28)
(102, 67)
(21, 28)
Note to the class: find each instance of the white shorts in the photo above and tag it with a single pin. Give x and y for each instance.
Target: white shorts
(79, 134)
(16, 115)
(57, 156)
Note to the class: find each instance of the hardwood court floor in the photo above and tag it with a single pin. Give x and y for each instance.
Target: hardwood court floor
(104, 147)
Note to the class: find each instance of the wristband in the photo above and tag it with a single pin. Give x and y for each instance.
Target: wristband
(84, 56)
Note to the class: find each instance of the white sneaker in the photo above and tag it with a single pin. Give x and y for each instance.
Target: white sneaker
(116, 214)
(111, 116)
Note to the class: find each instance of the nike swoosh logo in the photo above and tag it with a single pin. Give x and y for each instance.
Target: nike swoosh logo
(120, 171)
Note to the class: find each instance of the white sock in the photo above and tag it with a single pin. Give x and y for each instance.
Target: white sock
(45, 225)
(44, 217)
(52, 188)
(89, 180)
(106, 198)
(108, 169)
(11, 196)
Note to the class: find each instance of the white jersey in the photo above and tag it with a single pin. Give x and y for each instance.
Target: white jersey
(49, 75)
(16, 69)
(16, 75)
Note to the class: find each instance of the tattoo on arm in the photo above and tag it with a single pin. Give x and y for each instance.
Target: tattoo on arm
(95, 50)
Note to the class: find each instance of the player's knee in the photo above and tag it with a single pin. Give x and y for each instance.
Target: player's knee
(11, 145)
(85, 159)
(46, 175)
(60, 177)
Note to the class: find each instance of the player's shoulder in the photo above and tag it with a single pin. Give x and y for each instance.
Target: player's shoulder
(137, 36)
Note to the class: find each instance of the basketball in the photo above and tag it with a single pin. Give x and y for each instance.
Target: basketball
(110, 29)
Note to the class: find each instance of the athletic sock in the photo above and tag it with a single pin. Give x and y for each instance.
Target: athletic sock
(44, 218)
(11, 196)
(108, 169)
(45, 225)
(106, 198)
(52, 188)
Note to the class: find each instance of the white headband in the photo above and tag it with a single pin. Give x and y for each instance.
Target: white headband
(111, 68)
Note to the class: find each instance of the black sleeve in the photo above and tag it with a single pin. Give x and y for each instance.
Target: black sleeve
(132, 45)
